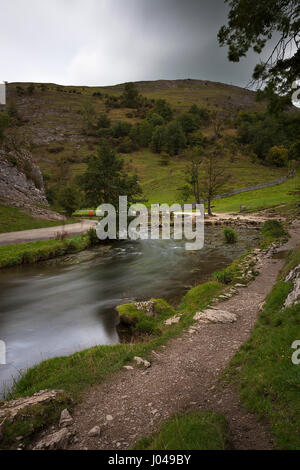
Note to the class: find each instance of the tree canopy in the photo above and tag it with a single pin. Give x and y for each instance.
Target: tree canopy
(254, 25)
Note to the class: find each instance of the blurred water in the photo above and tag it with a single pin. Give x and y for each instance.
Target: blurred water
(54, 309)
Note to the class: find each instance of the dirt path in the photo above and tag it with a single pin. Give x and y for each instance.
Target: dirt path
(46, 233)
(183, 374)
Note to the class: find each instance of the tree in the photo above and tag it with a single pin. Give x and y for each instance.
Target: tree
(158, 139)
(105, 179)
(193, 180)
(130, 96)
(70, 199)
(175, 138)
(163, 108)
(278, 156)
(89, 117)
(253, 25)
(215, 175)
(294, 151)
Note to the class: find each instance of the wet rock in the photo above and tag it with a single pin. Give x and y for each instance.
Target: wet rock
(56, 441)
(215, 316)
(95, 432)
(65, 419)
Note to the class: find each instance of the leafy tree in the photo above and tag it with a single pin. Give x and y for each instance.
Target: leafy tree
(163, 108)
(155, 119)
(252, 25)
(278, 156)
(130, 96)
(70, 199)
(158, 139)
(189, 122)
(121, 129)
(202, 114)
(105, 179)
(175, 138)
(145, 133)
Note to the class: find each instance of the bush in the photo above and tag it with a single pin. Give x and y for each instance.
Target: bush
(277, 156)
(92, 237)
(225, 276)
(230, 235)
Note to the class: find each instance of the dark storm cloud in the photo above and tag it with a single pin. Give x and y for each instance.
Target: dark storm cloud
(99, 42)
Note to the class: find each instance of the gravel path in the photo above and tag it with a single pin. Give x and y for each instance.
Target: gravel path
(184, 375)
(46, 233)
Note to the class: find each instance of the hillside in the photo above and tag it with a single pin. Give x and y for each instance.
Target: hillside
(50, 120)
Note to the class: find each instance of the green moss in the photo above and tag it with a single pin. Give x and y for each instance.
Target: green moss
(193, 431)
(199, 296)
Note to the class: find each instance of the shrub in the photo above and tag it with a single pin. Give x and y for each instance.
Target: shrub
(230, 235)
(273, 228)
(225, 276)
(92, 237)
(277, 156)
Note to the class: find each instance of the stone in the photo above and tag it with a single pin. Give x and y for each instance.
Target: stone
(95, 432)
(148, 306)
(215, 316)
(56, 441)
(141, 361)
(172, 321)
(128, 367)
(240, 285)
(294, 296)
(65, 419)
(109, 418)
(11, 408)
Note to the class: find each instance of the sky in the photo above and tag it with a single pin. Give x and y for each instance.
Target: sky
(106, 42)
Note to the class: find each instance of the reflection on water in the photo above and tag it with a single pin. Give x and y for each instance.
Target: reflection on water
(51, 310)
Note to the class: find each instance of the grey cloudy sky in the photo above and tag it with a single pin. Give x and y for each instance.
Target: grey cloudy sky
(104, 42)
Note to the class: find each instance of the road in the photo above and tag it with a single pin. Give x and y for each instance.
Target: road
(46, 233)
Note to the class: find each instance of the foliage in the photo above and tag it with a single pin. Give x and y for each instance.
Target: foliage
(175, 140)
(277, 156)
(163, 108)
(230, 235)
(272, 230)
(105, 179)
(130, 96)
(70, 198)
(253, 28)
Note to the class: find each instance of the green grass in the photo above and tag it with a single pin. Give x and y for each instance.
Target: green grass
(13, 220)
(268, 381)
(33, 252)
(88, 367)
(261, 198)
(138, 319)
(192, 431)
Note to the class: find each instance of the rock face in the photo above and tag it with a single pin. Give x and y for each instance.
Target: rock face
(21, 184)
(294, 295)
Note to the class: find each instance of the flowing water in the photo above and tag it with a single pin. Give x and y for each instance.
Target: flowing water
(56, 308)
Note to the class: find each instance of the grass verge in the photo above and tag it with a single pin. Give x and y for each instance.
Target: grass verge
(268, 381)
(33, 252)
(192, 431)
(13, 220)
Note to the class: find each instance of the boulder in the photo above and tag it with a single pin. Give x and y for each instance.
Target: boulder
(56, 441)
(211, 315)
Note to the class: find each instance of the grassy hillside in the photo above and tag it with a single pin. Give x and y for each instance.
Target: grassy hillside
(52, 122)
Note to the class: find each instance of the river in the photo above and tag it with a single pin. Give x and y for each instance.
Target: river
(59, 307)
